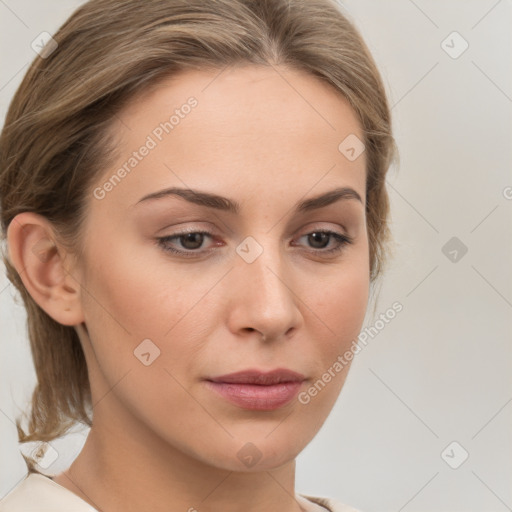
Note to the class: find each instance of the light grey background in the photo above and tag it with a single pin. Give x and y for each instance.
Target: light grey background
(440, 370)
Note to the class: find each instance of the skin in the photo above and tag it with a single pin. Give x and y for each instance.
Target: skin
(263, 136)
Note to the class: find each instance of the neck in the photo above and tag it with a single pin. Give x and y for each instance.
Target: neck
(130, 469)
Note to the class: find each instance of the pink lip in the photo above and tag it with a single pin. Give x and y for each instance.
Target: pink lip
(258, 377)
(256, 390)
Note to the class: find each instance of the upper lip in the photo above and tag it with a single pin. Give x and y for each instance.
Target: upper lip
(258, 377)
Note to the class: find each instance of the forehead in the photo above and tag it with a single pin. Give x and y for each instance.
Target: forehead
(246, 93)
(225, 128)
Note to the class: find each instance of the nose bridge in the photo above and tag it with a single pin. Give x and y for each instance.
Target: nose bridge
(265, 297)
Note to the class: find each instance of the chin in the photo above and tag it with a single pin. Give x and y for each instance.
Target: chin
(252, 454)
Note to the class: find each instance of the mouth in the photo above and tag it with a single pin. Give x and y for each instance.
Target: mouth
(257, 390)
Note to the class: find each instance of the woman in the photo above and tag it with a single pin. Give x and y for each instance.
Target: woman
(194, 202)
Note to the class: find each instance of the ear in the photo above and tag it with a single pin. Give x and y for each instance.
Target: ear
(40, 262)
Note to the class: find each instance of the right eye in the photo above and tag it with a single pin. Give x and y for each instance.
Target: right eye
(190, 241)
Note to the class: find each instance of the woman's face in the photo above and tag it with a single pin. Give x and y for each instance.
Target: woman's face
(160, 324)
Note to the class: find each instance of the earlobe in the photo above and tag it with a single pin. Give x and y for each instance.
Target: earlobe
(39, 260)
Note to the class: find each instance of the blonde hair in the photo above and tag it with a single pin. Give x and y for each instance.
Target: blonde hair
(54, 144)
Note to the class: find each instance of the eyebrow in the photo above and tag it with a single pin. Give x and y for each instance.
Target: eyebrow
(210, 200)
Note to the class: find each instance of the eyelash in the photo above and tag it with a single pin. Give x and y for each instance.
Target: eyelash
(342, 241)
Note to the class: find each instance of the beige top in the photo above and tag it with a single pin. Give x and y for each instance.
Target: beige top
(39, 493)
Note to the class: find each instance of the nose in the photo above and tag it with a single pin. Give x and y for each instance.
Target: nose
(263, 298)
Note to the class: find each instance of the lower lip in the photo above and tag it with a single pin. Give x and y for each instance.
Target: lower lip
(257, 397)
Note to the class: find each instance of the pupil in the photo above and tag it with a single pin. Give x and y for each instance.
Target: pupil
(190, 237)
(318, 237)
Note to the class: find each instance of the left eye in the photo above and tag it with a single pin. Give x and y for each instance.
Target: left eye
(192, 241)
(320, 236)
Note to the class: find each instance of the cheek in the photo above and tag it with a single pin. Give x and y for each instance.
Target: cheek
(129, 300)
(133, 296)
(341, 305)
(348, 304)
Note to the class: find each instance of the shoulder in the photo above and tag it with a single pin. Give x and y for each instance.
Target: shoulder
(320, 503)
(38, 493)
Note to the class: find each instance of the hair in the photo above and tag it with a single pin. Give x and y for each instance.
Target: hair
(55, 141)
